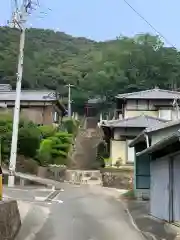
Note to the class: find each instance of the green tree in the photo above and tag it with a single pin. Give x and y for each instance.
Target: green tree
(55, 59)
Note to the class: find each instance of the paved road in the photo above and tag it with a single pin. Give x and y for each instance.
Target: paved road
(82, 213)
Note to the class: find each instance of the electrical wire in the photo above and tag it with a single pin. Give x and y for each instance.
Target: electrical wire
(146, 21)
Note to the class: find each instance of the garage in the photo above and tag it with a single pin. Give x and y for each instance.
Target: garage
(176, 188)
(159, 189)
(163, 149)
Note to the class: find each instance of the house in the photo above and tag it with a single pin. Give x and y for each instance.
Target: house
(154, 102)
(131, 108)
(119, 133)
(157, 167)
(39, 106)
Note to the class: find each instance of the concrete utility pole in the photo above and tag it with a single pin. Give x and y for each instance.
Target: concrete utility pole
(69, 100)
(19, 19)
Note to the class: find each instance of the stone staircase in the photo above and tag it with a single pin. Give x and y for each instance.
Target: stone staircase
(84, 153)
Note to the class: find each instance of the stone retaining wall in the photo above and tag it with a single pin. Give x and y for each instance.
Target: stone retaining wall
(9, 220)
(117, 178)
(84, 177)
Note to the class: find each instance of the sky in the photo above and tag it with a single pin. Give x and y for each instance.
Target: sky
(102, 20)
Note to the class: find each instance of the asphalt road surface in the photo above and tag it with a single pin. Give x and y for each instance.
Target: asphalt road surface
(77, 213)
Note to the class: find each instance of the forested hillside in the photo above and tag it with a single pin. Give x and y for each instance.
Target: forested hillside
(53, 59)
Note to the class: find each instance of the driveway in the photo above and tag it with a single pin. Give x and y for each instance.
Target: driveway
(77, 213)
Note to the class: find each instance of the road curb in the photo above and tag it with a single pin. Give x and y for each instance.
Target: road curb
(133, 221)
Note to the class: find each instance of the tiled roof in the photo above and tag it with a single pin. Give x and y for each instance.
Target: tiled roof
(155, 93)
(5, 87)
(142, 121)
(28, 95)
(162, 126)
(152, 128)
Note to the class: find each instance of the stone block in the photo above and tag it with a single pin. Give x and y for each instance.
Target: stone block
(10, 221)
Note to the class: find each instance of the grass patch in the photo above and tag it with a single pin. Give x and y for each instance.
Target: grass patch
(129, 195)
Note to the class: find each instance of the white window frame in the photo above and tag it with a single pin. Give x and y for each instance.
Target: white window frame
(165, 116)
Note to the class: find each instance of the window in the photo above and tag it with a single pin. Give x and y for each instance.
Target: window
(130, 153)
(165, 114)
(137, 105)
(56, 117)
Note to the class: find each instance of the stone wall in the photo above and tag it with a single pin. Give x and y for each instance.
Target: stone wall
(117, 178)
(9, 220)
(91, 177)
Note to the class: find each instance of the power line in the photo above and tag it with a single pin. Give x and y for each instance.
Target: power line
(146, 21)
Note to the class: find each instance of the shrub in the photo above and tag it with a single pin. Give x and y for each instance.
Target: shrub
(101, 154)
(71, 126)
(107, 161)
(44, 153)
(28, 141)
(55, 149)
(61, 143)
(118, 162)
(47, 131)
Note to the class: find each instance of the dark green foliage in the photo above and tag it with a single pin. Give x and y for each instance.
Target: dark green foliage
(44, 153)
(45, 144)
(47, 131)
(54, 59)
(28, 141)
(101, 154)
(54, 150)
(71, 126)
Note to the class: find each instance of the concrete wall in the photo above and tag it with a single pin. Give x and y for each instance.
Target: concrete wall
(9, 220)
(133, 113)
(118, 150)
(141, 194)
(119, 145)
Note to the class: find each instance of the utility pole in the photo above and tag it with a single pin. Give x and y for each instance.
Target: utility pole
(19, 19)
(69, 100)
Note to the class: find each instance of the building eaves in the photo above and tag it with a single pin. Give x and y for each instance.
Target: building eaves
(28, 95)
(155, 93)
(140, 138)
(161, 144)
(150, 130)
(142, 121)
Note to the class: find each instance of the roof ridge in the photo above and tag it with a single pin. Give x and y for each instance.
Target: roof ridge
(136, 117)
(148, 90)
(130, 93)
(157, 118)
(169, 91)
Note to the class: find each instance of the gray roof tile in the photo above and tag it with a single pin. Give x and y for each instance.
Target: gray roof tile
(151, 129)
(162, 126)
(142, 121)
(155, 93)
(27, 95)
